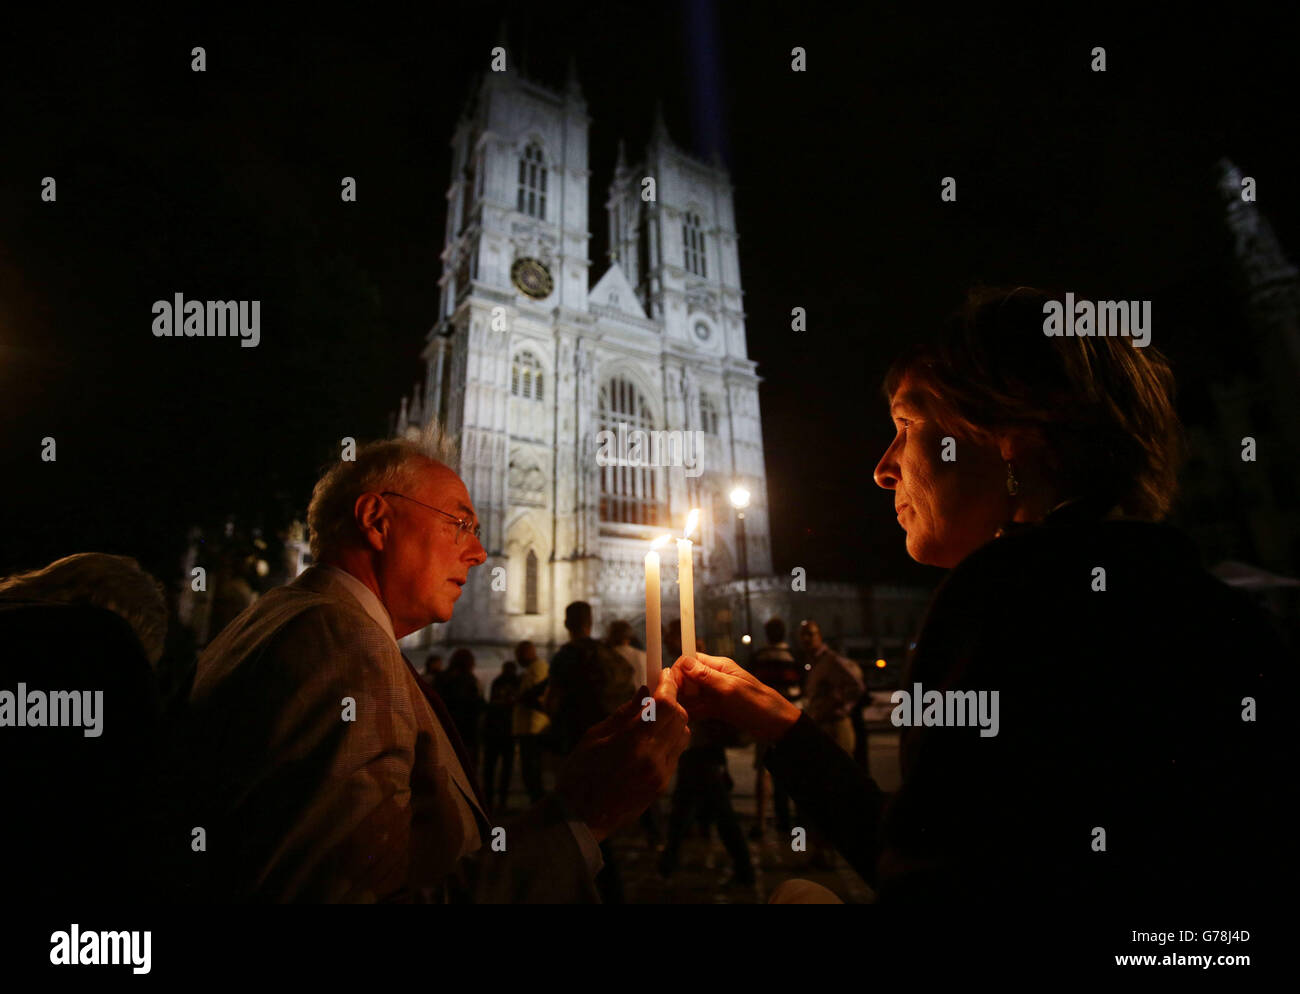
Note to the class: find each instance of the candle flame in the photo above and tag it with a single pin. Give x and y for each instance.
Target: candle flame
(692, 520)
(661, 540)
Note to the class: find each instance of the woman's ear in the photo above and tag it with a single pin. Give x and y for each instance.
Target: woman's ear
(1017, 444)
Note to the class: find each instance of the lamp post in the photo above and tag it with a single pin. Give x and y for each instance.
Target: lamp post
(740, 501)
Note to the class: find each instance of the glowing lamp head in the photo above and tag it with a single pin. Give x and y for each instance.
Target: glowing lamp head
(745, 639)
(739, 498)
(881, 664)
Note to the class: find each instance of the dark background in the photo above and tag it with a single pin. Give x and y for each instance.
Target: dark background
(225, 185)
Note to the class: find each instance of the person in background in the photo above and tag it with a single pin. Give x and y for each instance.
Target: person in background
(834, 687)
(432, 668)
(530, 719)
(703, 797)
(776, 666)
(589, 681)
(498, 732)
(619, 638)
(463, 694)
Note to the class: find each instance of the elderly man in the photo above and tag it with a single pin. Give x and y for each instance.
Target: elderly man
(332, 773)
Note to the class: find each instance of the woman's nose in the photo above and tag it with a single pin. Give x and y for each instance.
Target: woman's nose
(887, 474)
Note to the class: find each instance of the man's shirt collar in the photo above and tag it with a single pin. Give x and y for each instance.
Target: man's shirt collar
(371, 604)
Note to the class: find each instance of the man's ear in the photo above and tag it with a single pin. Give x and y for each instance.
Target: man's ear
(371, 515)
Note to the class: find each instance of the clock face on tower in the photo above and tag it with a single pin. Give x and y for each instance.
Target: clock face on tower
(532, 278)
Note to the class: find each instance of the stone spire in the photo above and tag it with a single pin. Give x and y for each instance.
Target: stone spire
(1257, 250)
(1271, 284)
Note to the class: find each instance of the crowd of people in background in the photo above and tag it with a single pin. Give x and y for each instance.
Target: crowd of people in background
(533, 707)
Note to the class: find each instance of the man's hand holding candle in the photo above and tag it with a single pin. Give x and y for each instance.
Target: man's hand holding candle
(626, 761)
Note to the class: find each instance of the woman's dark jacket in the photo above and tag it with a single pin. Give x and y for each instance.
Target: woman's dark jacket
(1119, 709)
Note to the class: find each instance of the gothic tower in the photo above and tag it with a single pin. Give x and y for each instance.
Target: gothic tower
(529, 363)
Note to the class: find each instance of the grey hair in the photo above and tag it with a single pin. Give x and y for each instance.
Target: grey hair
(392, 464)
(115, 583)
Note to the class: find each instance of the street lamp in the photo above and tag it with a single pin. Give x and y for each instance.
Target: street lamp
(740, 501)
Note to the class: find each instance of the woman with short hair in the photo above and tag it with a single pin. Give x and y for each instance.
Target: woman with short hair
(1077, 722)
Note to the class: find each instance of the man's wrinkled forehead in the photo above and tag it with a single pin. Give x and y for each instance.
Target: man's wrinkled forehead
(443, 489)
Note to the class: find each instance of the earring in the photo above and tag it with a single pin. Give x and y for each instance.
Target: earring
(1013, 485)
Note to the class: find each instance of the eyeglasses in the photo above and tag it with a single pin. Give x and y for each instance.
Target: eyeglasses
(463, 526)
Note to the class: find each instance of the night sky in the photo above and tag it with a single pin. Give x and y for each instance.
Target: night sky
(225, 185)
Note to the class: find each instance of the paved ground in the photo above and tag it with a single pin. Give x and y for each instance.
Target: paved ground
(704, 867)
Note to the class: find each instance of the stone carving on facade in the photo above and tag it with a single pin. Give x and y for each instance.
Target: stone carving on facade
(527, 481)
(703, 300)
(584, 359)
(531, 241)
(622, 578)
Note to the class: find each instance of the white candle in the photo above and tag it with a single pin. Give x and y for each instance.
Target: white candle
(686, 583)
(653, 626)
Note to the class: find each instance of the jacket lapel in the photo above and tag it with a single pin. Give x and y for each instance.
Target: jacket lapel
(449, 738)
(449, 742)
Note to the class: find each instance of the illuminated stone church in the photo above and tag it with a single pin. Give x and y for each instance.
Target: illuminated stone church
(537, 349)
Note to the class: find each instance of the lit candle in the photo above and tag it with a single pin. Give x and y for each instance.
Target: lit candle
(654, 633)
(686, 583)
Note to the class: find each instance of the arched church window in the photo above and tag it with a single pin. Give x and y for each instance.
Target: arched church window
(693, 243)
(526, 377)
(708, 415)
(629, 489)
(532, 182)
(530, 583)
